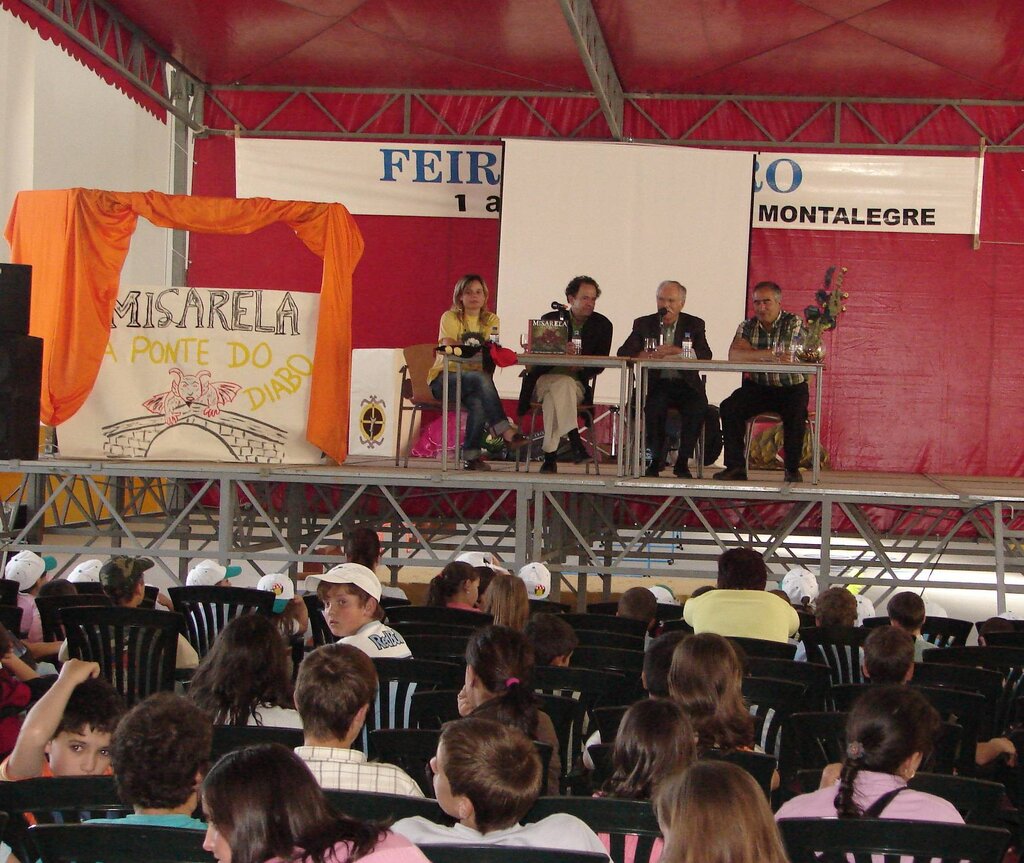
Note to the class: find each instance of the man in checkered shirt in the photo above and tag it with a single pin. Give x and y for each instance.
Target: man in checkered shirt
(766, 337)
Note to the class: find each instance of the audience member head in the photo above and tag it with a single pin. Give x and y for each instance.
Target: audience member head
(890, 729)
(333, 691)
(351, 596)
(835, 607)
(457, 584)
(553, 640)
(700, 591)
(742, 569)
(705, 679)
(81, 744)
(800, 586)
(485, 774)
(58, 587)
(86, 572)
(638, 603)
(994, 624)
(658, 663)
(889, 655)
(499, 677)
(210, 573)
(362, 545)
(247, 667)
(262, 803)
(506, 601)
(654, 740)
(29, 570)
(160, 750)
(121, 579)
(906, 610)
(714, 812)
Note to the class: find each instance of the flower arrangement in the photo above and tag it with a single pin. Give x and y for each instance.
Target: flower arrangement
(824, 315)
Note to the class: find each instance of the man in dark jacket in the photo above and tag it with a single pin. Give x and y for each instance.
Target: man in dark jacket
(670, 388)
(560, 390)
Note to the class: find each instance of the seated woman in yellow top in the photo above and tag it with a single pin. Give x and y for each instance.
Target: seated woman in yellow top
(467, 322)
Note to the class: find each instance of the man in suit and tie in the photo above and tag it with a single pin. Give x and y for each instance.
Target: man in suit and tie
(670, 388)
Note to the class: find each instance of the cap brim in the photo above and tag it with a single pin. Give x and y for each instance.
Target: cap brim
(232, 571)
(280, 605)
(49, 562)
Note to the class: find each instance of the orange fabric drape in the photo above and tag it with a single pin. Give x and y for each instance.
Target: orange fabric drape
(76, 241)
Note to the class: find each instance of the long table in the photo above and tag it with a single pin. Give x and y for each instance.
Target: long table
(642, 366)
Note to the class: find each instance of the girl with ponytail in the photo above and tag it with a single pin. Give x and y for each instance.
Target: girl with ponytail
(499, 686)
(455, 586)
(889, 732)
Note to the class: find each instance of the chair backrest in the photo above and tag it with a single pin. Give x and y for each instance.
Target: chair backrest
(770, 702)
(506, 854)
(1008, 661)
(433, 708)
(607, 720)
(761, 647)
(628, 662)
(977, 800)
(399, 679)
(678, 625)
(816, 678)
(51, 606)
(8, 591)
(321, 633)
(567, 716)
(410, 749)
(603, 607)
(447, 648)
(228, 738)
(117, 843)
(369, 806)
(758, 764)
(618, 640)
(811, 741)
(416, 628)
(946, 631)
(545, 606)
(838, 647)
(606, 623)
(418, 361)
(618, 818)
(602, 755)
(10, 617)
(135, 647)
(1005, 639)
(437, 614)
(985, 681)
(827, 840)
(207, 610)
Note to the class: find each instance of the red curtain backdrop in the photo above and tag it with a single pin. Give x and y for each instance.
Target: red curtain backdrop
(76, 241)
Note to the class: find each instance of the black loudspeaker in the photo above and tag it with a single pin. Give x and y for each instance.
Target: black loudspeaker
(15, 298)
(21, 373)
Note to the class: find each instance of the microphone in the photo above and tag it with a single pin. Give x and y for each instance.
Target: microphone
(558, 307)
(662, 313)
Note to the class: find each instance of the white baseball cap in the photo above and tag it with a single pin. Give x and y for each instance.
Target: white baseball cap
(348, 573)
(799, 585)
(865, 608)
(537, 579)
(663, 594)
(207, 573)
(27, 567)
(482, 558)
(87, 572)
(281, 586)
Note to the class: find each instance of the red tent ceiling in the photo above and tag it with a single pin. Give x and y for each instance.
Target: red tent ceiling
(938, 49)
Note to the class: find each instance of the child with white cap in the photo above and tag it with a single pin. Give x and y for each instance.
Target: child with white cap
(29, 570)
(290, 612)
(351, 596)
(87, 572)
(209, 573)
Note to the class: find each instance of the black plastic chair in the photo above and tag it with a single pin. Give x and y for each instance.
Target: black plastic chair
(838, 647)
(315, 608)
(628, 662)
(9, 589)
(766, 649)
(567, 715)
(50, 608)
(368, 806)
(417, 628)
(601, 756)
(546, 606)
(985, 681)
(1005, 639)
(618, 640)
(446, 648)
(606, 623)
(946, 631)
(590, 687)
(399, 679)
(758, 764)
(770, 702)
(117, 843)
(433, 708)
(10, 619)
(618, 818)
(228, 738)
(207, 610)
(135, 647)
(815, 678)
(829, 840)
(505, 854)
(409, 749)
(678, 625)
(607, 606)
(607, 720)
(1008, 661)
(437, 614)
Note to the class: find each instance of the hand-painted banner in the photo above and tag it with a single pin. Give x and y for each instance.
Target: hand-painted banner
(201, 374)
(911, 194)
(374, 179)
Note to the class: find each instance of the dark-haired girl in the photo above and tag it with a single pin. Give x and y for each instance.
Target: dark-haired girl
(262, 804)
(455, 586)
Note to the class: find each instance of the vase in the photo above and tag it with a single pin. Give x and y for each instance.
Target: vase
(811, 352)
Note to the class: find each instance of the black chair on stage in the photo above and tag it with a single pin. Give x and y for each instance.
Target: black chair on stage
(606, 623)
(207, 610)
(50, 608)
(135, 647)
(831, 840)
(618, 818)
(437, 614)
(767, 649)
(114, 843)
(228, 738)
(838, 647)
(315, 608)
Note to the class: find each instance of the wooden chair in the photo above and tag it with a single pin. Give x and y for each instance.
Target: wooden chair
(829, 840)
(228, 738)
(51, 606)
(437, 614)
(135, 647)
(207, 610)
(761, 647)
(315, 608)
(506, 854)
(606, 623)
(838, 647)
(117, 843)
(618, 818)
(416, 394)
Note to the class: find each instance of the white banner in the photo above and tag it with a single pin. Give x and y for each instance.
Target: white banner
(202, 374)
(911, 194)
(400, 179)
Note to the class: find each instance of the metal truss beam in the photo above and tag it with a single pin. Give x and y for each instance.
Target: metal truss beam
(821, 122)
(583, 527)
(586, 30)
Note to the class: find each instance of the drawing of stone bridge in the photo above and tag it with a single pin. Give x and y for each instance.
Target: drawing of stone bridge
(247, 439)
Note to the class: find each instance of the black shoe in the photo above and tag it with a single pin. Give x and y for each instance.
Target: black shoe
(731, 473)
(475, 464)
(653, 470)
(549, 465)
(682, 471)
(794, 476)
(579, 451)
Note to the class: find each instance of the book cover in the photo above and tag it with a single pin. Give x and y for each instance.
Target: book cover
(548, 337)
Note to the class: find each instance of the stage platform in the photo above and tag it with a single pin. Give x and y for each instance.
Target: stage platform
(875, 530)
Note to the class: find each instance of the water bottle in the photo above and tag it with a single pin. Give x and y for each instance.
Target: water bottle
(687, 346)
(494, 335)
(577, 343)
